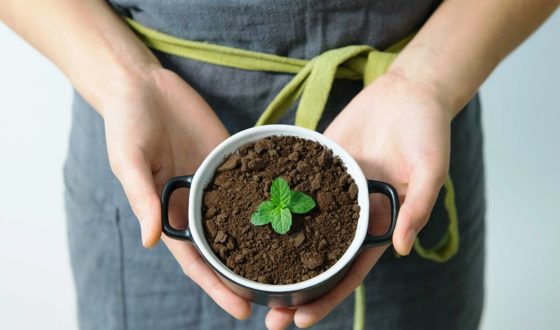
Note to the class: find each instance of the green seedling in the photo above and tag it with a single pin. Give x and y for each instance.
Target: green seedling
(278, 210)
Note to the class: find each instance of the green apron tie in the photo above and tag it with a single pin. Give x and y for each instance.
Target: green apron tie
(311, 84)
(314, 81)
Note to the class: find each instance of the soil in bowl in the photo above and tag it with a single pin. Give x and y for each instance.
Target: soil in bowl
(315, 241)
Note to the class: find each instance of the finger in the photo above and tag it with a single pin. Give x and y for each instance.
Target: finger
(380, 214)
(308, 315)
(135, 175)
(420, 198)
(195, 268)
(279, 318)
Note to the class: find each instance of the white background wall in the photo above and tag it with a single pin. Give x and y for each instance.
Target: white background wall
(522, 124)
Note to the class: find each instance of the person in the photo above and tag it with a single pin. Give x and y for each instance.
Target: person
(140, 117)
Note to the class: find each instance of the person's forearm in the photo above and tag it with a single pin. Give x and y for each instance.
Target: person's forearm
(85, 39)
(463, 42)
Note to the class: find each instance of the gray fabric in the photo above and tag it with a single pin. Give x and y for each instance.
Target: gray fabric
(120, 285)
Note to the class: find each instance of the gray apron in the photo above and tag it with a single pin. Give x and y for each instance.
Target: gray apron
(121, 285)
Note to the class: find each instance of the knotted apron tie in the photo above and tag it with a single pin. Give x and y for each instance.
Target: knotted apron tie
(311, 85)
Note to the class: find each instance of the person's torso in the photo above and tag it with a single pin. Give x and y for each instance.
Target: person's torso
(301, 29)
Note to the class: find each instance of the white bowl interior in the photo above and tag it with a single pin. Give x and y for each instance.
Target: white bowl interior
(216, 157)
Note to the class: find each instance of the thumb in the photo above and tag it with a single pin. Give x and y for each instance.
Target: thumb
(135, 175)
(419, 200)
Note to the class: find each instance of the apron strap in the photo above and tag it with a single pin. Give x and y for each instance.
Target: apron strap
(314, 82)
(449, 243)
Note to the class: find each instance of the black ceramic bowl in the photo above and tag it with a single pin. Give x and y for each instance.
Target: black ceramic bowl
(287, 295)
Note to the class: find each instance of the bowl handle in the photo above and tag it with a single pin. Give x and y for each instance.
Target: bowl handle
(170, 186)
(387, 190)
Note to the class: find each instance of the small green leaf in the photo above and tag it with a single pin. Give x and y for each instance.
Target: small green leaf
(258, 220)
(280, 193)
(264, 213)
(301, 203)
(282, 221)
(278, 210)
(266, 207)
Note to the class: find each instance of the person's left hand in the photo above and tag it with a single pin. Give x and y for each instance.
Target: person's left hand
(399, 132)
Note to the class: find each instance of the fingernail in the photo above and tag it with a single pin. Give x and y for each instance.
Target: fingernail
(409, 240)
(144, 233)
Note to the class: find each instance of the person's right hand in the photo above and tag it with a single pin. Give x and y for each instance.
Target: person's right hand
(158, 127)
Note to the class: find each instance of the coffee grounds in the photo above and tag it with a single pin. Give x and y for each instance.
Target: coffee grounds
(316, 239)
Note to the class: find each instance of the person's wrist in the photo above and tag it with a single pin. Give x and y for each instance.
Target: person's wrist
(123, 82)
(421, 90)
(430, 86)
(420, 66)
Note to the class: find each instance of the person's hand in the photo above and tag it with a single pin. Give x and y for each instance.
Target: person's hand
(399, 132)
(158, 127)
